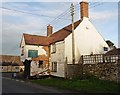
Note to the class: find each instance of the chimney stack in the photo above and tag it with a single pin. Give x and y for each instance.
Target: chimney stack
(49, 30)
(84, 9)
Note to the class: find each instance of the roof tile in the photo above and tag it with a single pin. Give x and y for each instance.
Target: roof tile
(60, 35)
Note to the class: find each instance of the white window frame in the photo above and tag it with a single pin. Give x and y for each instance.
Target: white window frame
(53, 48)
(54, 66)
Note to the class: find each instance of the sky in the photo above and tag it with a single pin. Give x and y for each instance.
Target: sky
(33, 18)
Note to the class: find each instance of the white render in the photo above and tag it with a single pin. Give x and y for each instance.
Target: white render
(87, 41)
(58, 57)
(40, 49)
(34, 64)
(35, 70)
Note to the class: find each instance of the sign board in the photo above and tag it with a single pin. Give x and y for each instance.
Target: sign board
(33, 53)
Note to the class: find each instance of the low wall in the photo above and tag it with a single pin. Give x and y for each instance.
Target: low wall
(105, 71)
(74, 71)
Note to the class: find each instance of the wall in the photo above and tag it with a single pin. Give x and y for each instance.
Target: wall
(11, 68)
(58, 57)
(87, 41)
(43, 55)
(103, 70)
(36, 70)
(42, 50)
(23, 57)
(93, 65)
(3, 68)
(73, 71)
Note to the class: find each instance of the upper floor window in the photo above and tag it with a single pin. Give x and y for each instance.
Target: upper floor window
(105, 49)
(22, 51)
(53, 48)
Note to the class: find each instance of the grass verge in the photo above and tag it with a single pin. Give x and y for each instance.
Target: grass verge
(88, 85)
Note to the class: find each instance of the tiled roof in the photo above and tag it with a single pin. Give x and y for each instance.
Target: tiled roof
(63, 33)
(60, 35)
(35, 39)
(114, 52)
(8, 59)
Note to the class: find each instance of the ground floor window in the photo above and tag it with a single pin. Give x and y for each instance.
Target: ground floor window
(40, 64)
(54, 66)
(17, 68)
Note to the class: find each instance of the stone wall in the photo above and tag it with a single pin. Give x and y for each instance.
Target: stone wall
(104, 71)
(74, 71)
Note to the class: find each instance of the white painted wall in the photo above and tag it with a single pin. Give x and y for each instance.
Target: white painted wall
(35, 70)
(34, 64)
(40, 49)
(87, 41)
(23, 45)
(58, 57)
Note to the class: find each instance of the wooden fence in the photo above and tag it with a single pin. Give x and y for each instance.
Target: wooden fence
(100, 58)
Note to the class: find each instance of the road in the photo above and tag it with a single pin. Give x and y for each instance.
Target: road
(18, 86)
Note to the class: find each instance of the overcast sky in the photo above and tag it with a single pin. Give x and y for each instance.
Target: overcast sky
(104, 16)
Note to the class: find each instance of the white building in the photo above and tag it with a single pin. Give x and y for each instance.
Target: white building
(87, 41)
(35, 53)
(54, 51)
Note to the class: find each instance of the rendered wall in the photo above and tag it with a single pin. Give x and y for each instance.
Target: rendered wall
(43, 53)
(58, 57)
(87, 41)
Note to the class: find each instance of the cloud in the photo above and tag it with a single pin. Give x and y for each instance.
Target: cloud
(40, 8)
(18, 5)
(14, 24)
(103, 15)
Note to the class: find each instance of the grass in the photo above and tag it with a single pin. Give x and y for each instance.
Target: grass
(91, 85)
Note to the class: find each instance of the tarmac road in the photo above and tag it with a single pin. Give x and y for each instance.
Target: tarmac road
(19, 86)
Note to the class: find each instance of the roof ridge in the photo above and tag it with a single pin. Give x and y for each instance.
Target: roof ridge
(59, 35)
(65, 27)
(34, 35)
